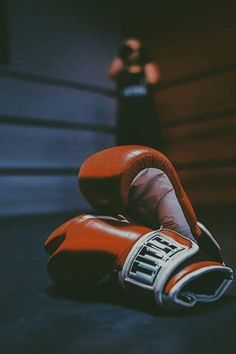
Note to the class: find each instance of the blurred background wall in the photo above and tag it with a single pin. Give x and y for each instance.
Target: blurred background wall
(194, 43)
(57, 105)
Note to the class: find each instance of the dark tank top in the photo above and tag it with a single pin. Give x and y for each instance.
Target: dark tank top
(132, 84)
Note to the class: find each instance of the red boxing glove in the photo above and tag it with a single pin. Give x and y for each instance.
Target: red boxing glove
(138, 180)
(88, 249)
(141, 183)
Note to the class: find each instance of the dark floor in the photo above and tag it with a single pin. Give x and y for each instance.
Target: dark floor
(37, 318)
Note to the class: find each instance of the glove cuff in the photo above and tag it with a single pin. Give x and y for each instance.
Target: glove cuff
(171, 266)
(201, 282)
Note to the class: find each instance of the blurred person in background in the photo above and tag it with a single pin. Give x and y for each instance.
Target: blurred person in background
(136, 76)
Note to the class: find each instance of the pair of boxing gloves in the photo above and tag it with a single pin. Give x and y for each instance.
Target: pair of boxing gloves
(151, 240)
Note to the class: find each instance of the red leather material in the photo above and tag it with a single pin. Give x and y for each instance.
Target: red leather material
(58, 236)
(105, 179)
(85, 249)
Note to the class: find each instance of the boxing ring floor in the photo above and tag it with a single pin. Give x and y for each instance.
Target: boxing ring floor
(38, 318)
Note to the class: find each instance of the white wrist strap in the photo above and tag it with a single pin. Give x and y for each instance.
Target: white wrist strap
(152, 260)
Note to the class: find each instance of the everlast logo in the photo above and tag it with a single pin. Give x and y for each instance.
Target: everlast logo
(151, 257)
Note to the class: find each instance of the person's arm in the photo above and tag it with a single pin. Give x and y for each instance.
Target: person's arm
(152, 73)
(117, 66)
